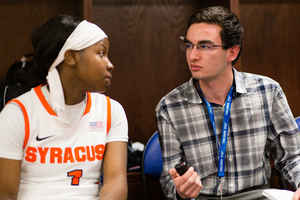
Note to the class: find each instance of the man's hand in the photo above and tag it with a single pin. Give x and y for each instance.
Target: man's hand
(188, 185)
(297, 195)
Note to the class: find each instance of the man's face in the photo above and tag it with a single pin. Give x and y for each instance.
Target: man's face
(206, 64)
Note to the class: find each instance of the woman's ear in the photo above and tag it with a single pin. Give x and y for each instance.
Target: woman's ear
(233, 53)
(70, 57)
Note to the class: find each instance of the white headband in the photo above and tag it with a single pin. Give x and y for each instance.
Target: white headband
(85, 34)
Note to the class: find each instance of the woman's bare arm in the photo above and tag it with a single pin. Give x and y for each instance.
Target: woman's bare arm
(115, 172)
(10, 173)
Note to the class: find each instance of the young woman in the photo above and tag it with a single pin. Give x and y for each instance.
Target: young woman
(58, 137)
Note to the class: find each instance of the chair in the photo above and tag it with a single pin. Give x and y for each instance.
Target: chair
(151, 165)
(297, 119)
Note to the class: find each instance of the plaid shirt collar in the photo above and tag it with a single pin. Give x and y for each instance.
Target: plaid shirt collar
(239, 87)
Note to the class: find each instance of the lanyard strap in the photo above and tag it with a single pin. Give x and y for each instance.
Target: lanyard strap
(222, 146)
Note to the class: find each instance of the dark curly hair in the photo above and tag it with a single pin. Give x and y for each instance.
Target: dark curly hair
(232, 30)
(47, 42)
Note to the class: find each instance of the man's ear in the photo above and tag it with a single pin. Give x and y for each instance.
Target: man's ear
(233, 53)
(70, 57)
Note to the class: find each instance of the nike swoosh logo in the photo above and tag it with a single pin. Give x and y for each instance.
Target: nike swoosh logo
(40, 139)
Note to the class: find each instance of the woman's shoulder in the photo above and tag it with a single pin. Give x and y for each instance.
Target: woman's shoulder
(100, 98)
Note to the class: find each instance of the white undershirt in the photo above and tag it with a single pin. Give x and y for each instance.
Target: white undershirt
(74, 112)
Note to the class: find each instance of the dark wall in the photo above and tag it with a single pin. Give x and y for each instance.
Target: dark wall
(271, 43)
(144, 45)
(18, 19)
(145, 50)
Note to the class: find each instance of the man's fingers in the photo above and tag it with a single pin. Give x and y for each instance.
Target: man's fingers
(173, 173)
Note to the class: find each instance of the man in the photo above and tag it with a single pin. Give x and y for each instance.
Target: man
(227, 148)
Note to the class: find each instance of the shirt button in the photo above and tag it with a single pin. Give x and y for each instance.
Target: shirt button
(230, 159)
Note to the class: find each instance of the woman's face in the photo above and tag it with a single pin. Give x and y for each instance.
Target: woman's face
(94, 70)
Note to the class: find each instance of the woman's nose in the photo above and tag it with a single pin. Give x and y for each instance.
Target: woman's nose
(110, 66)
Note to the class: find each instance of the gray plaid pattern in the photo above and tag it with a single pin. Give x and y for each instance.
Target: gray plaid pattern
(260, 122)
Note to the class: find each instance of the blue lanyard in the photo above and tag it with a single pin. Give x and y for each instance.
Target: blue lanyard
(223, 144)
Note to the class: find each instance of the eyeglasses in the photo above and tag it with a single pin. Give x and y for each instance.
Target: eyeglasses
(188, 47)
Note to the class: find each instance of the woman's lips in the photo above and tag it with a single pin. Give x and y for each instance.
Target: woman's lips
(108, 80)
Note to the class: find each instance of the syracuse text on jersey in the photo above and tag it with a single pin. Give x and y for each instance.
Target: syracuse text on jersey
(68, 154)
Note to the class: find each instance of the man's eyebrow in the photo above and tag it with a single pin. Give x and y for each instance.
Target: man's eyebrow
(205, 42)
(186, 41)
(200, 42)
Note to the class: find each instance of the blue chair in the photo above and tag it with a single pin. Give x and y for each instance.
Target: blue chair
(298, 121)
(151, 165)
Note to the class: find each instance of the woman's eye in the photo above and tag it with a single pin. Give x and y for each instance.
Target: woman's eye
(101, 53)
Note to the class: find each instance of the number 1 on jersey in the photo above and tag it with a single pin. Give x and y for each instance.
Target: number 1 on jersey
(76, 174)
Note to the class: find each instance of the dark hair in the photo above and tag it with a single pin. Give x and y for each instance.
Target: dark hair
(47, 42)
(232, 30)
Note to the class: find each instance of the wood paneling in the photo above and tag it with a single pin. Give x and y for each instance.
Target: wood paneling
(271, 43)
(135, 190)
(144, 41)
(271, 47)
(145, 50)
(144, 47)
(87, 8)
(18, 19)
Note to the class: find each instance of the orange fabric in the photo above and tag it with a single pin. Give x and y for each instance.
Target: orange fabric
(39, 93)
(26, 119)
(46, 105)
(108, 115)
(88, 103)
(51, 112)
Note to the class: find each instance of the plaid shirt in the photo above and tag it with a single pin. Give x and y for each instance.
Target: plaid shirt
(260, 122)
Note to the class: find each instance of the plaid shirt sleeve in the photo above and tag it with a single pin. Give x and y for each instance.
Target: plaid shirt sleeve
(171, 152)
(284, 140)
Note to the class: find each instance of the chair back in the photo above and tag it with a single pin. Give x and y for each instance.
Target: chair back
(298, 121)
(151, 165)
(152, 158)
